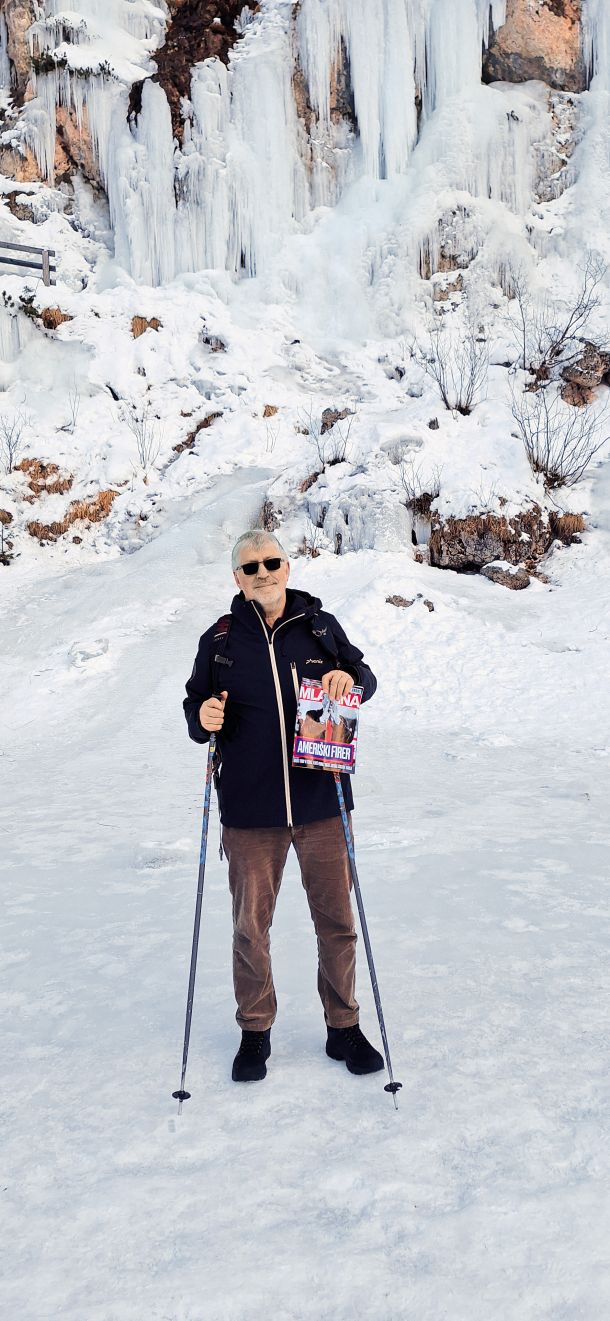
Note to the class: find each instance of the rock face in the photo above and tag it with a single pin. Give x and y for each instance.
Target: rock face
(507, 575)
(540, 39)
(583, 376)
(467, 544)
(19, 16)
(198, 30)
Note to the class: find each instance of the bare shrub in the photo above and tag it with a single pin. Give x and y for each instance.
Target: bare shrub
(13, 428)
(272, 429)
(145, 429)
(457, 359)
(73, 409)
(330, 438)
(550, 333)
(420, 488)
(312, 540)
(559, 441)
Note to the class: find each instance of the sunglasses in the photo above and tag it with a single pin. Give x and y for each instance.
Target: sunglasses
(252, 566)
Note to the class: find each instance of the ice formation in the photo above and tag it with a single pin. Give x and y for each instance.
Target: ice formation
(268, 141)
(5, 66)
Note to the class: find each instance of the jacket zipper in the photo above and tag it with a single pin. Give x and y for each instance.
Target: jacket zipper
(280, 708)
(295, 680)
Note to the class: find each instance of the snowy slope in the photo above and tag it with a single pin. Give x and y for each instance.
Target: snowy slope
(482, 833)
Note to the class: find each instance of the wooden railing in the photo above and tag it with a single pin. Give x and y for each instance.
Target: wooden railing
(44, 261)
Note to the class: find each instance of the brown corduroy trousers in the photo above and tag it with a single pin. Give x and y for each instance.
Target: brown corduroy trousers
(256, 864)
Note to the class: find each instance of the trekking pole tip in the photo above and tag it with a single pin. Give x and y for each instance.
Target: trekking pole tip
(393, 1087)
(180, 1097)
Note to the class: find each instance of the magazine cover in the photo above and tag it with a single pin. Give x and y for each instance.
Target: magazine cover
(326, 733)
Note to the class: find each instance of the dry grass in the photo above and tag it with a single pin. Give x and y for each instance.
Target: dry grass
(52, 317)
(90, 511)
(140, 323)
(44, 478)
(566, 526)
(270, 410)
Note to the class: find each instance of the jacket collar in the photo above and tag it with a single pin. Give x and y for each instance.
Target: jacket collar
(298, 603)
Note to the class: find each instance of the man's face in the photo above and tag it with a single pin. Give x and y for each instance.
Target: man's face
(267, 588)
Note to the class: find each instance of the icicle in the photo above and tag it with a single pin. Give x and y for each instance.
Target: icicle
(455, 35)
(596, 42)
(378, 43)
(14, 333)
(5, 64)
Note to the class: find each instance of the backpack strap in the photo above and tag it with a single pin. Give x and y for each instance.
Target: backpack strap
(222, 628)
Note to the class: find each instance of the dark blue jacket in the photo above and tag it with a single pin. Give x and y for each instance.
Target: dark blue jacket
(258, 785)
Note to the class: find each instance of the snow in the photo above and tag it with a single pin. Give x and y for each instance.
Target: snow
(481, 840)
(481, 797)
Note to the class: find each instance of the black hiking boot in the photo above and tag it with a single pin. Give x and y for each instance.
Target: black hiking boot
(249, 1063)
(351, 1045)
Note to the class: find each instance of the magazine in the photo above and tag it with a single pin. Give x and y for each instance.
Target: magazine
(326, 733)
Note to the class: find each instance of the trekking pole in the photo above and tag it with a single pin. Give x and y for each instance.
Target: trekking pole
(181, 1095)
(391, 1086)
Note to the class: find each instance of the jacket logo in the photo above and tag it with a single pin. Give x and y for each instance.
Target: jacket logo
(313, 660)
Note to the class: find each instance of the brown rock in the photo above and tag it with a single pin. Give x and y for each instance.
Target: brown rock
(21, 166)
(541, 40)
(19, 16)
(140, 323)
(589, 370)
(466, 544)
(198, 30)
(516, 579)
(192, 436)
(74, 148)
(270, 410)
(403, 603)
(443, 289)
(332, 415)
(213, 342)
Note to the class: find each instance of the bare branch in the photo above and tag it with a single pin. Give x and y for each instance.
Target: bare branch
(458, 362)
(331, 441)
(12, 436)
(144, 426)
(560, 441)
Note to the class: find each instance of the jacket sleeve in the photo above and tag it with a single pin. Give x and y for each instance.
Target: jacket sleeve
(198, 689)
(351, 659)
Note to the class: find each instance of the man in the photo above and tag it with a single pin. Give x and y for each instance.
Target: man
(244, 688)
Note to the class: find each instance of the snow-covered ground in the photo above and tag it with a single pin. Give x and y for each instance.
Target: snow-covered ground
(482, 840)
(482, 825)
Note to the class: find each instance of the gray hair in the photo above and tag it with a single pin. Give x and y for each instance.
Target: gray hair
(256, 539)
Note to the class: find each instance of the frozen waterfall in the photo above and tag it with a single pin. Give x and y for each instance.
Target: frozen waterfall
(315, 98)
